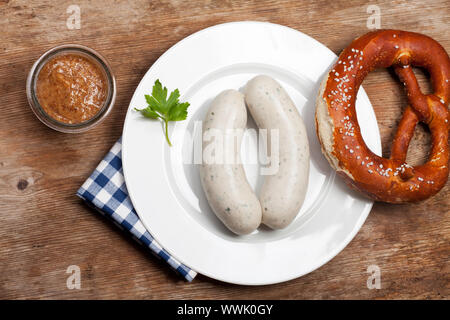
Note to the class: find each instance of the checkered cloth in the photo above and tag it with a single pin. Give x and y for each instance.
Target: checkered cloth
(105, 190)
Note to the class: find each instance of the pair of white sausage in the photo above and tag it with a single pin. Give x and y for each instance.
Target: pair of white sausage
(226, 187)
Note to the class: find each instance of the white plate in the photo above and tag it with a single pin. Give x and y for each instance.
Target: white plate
(165, 189)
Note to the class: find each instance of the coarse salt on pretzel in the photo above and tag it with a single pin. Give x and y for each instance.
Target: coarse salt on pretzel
(389, 180)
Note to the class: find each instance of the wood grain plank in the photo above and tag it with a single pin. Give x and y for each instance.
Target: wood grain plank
(45, 228)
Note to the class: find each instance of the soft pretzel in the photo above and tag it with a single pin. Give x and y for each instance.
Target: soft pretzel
(389, 180)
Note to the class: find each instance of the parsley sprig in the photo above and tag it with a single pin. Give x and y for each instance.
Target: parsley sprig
(159, 107)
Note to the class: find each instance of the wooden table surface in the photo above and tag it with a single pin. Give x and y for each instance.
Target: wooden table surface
(44, 227)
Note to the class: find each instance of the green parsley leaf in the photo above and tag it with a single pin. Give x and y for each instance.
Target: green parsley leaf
(159, 107)
(148, 113)
(178, 112)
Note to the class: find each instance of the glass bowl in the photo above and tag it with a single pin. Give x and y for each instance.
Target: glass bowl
(92, 56)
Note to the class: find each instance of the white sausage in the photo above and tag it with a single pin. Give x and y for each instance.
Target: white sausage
(282, 194)
(226, 187)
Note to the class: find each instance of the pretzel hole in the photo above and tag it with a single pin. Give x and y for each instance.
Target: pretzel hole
(423, 78)
(388, 97)
(420, 145)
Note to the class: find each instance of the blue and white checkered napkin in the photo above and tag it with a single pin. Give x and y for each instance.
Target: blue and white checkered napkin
(106, 191)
